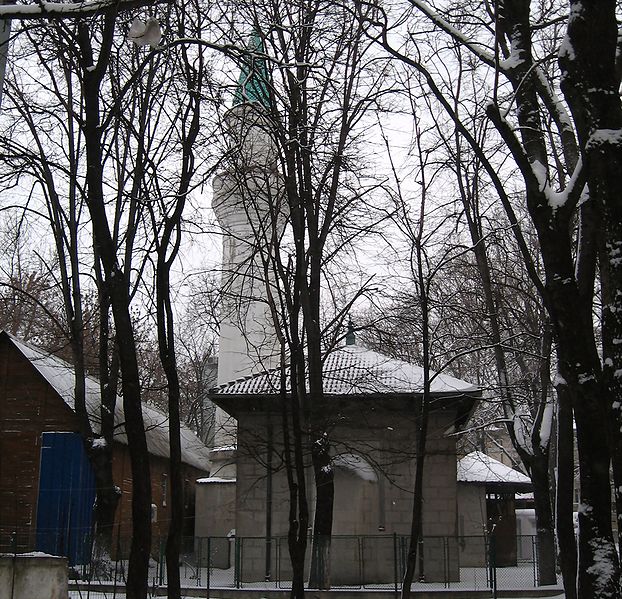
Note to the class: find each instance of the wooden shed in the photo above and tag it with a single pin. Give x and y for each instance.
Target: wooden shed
(46, 483)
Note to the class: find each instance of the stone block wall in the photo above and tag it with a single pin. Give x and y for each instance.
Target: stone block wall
(215, 518)
(372, 508)
(472, 524)
(33, 576)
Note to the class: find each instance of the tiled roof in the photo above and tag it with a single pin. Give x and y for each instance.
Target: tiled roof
(355, 370)
(60, 375)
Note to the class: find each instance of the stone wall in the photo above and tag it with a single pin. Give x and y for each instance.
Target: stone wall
(376, 509)
(33, 576)
(215, 518)
(472, 524)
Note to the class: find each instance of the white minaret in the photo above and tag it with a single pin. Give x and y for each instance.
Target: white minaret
(248, 206)
(247, 203)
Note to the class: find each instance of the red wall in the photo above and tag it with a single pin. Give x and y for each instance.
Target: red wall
(28, 407)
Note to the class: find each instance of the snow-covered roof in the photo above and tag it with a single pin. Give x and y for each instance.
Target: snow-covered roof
(477, 467)
(60, 375)
(355, 370)
(214, 480)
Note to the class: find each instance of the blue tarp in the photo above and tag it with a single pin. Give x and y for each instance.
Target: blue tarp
(66, 498)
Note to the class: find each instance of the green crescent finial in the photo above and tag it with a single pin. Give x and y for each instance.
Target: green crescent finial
(253, 83)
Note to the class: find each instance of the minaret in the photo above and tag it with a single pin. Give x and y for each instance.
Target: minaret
(247, 204)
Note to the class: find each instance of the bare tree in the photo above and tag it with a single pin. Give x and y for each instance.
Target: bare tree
(167, 214)
(312, 106)
(509, 47)
(120, 132)
(63, 195)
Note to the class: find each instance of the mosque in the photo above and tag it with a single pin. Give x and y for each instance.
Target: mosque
(368, 408)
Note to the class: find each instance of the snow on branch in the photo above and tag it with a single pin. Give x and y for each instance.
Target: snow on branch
(522, 424)
(534, 172)
(560, 116)
(604, 137)
(569, 197)
(546, 425)
(475, 47)
(70, 10)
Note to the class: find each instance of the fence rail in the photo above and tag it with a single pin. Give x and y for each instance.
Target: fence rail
(356, 562)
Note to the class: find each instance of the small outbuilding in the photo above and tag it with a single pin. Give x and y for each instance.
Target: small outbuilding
(487, 492)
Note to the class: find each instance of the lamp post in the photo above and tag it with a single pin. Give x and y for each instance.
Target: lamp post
(5, 34)
(142, 34)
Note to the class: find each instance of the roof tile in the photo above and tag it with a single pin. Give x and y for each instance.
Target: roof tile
(355, 370)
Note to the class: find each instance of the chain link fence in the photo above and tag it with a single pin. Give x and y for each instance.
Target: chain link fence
(356, 562)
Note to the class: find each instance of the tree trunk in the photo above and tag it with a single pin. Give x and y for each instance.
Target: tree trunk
(590, 86)
(291, 410)
(416, 525)
(166, 341)
(166, 345)
(565, 490)
(320, 444)
(116, 285)
(609, 333)
(176, 525)
(579, 367)
(539, 470)
(536, 462)
(319, 577)
(421, 410)
(65, 227)
(107, 500)
(568, 303)
(108, 494)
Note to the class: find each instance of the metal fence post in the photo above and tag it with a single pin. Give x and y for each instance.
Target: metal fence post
(14, 562)
(237, 574)
(207, 576)
(116, 561)
(492, 565)
(395, 570)
(359, 542)
(446, 561)
(277, 563)
(161, 569)
(198, 549)
(534, 559)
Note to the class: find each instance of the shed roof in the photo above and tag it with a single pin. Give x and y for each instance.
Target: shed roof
(60, 375)
(355, 370)
(477, 467)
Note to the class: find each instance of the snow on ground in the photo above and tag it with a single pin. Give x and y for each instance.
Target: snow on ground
(518, 578)
(109, 595)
